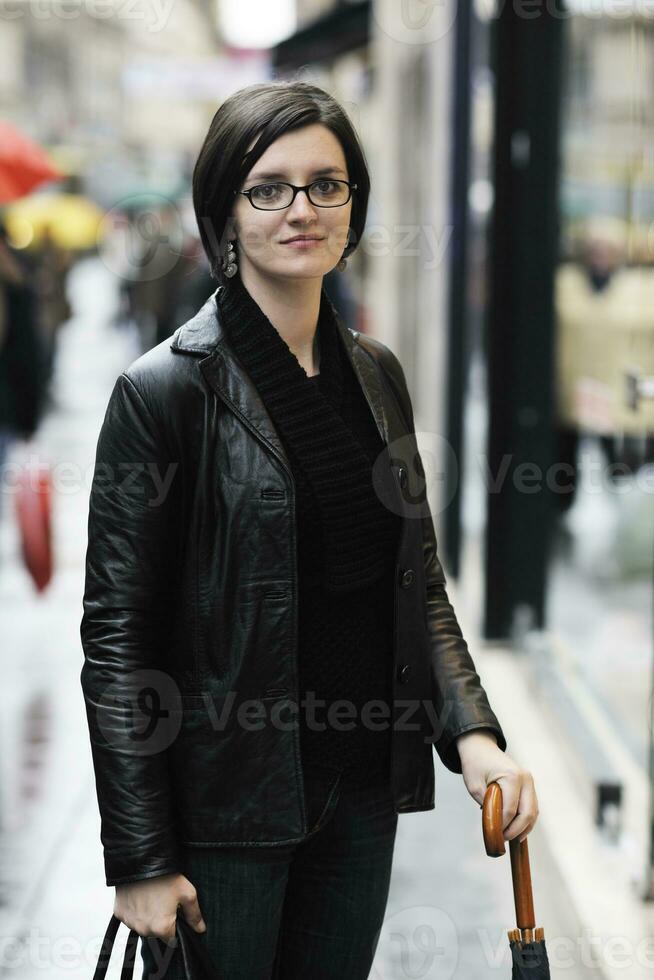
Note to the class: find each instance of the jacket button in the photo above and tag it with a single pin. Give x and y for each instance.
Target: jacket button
(407, 578)
(403, 672)
(401, 475)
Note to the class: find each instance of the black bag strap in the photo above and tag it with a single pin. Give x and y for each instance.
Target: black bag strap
(107, 946)
(196, 961)
(127, 971)
(195, 956)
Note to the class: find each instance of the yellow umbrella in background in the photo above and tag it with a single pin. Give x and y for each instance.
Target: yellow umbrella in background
(73, 221)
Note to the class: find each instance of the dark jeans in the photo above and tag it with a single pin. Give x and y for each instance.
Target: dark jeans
(313, 909)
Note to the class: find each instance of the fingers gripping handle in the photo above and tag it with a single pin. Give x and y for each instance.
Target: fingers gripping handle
(195, 959)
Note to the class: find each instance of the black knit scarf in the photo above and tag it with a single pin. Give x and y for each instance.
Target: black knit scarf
(310, 421)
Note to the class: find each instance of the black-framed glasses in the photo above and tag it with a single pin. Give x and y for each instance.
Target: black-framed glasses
(323, 193)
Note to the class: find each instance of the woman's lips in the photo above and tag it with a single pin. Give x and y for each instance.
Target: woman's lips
(304, 242)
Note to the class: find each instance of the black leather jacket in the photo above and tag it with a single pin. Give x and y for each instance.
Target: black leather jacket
(190, 609)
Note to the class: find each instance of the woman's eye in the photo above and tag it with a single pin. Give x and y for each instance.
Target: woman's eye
(325, 186)
(266, 191)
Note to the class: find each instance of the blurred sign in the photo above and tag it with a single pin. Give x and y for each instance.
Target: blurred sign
(601, 335)
(212, 79)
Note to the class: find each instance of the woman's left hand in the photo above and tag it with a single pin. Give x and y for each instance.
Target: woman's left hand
(482, 762)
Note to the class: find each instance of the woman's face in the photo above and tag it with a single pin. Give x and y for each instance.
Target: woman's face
(298, 157)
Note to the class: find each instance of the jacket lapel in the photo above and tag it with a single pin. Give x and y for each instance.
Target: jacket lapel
(204, 336)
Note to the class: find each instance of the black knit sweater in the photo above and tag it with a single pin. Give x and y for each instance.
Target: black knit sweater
(345, 632)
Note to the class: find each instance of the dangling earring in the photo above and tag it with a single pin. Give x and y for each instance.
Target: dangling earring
(343, 262)
(229, 266)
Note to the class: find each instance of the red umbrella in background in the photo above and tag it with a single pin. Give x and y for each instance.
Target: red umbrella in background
(23, 164)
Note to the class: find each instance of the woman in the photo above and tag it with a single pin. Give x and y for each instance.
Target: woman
(264, 564)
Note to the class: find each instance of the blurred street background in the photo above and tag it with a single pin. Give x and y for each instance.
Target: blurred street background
(508, 261)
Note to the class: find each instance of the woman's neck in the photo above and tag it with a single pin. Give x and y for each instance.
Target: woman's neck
(293, 307)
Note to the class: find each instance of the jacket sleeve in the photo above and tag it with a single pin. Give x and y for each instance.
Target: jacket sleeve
(128, 569)
(460, 701)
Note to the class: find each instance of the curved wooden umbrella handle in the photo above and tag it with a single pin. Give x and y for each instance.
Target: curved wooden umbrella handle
(496, 847)
(492, 821)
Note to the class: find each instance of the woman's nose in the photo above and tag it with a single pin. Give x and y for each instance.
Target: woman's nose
(302, 206)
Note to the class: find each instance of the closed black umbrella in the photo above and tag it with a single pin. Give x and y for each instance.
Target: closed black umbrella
(528, 952)
(529, 958)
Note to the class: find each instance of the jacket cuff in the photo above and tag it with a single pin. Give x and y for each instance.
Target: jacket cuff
(125, 868)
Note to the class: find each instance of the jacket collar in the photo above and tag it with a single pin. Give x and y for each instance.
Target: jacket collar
(204, 335)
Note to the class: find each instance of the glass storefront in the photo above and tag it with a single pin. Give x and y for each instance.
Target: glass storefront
(600, 580)
(601, 568)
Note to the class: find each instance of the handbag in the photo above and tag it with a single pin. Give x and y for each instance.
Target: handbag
(196, 962)
(34, 515)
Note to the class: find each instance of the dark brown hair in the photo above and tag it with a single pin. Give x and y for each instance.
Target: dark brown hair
(267, 110)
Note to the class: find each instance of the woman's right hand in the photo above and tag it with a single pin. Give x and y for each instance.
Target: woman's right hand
(150, 906)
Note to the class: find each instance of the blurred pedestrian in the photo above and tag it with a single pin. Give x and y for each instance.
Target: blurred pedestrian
(158, 272)
(22, 351)
(580, 341)
(51, 264)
